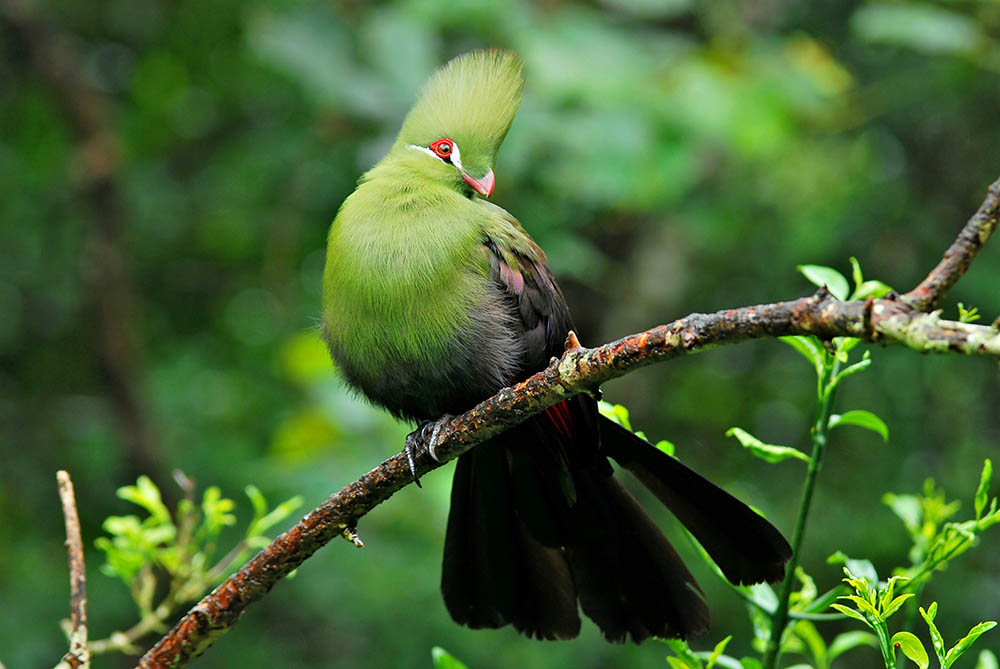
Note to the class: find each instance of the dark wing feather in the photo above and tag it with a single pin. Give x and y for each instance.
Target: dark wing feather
(512, 497)
(629, 578)
(542, 314)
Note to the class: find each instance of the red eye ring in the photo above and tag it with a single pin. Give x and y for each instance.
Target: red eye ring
(443, 148)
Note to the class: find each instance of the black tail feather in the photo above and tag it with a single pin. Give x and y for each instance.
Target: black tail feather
(495, 572)
(743, 543)
(630, 579)
(534, 526)
(538, 522)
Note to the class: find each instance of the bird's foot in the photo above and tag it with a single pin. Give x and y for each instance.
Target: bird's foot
(429, 431)
(434, 441)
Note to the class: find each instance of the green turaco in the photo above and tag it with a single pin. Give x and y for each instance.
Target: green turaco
(433, 300)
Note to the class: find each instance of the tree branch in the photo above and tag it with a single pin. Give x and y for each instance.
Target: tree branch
(885, 321)
(961, 253)
(79, 654)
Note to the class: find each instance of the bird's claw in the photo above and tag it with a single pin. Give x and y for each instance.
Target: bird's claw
(433, 442)
(410, 449)
(419, 435)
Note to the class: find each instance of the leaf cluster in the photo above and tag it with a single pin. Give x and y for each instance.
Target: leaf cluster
(177, 552)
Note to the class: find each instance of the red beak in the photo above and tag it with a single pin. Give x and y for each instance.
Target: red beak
(482, 186)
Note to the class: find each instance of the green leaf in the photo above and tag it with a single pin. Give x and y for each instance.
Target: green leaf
(908, 509)
(808, 591)
(849, 640)
(863, 419)
(810, 348)
(767, 452)
(856, 273)
(864, 606)
(911, 647)
(845, 345)
(257, 500)
(723, 661)
(717, 652)
(216, 510)
(968, 315)
(859, 366)
(966, 641)
(442, 659)
(894, 605)
(987, 660)
(855, 568)
(666, 446)
(849, 612)
(829, 277)
(812, 640)
(616, 412)
(875, 289)
(990, 517)
(750, 663)
(885, 595)
(764, 597)
(936, 639)
(145, 494)
(278, 514)
(983, 491)
(822, 602)
(922, 27)
(686, 659)
(121, 525)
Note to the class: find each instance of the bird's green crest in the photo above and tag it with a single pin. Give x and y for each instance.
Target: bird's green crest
(472, 99)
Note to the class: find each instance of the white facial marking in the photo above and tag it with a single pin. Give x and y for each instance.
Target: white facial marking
(425, 150)
(456, 155)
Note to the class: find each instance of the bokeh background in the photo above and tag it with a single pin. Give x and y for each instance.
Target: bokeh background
(168, 171)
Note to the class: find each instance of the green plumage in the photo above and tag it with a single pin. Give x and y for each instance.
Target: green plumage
(407, 280)
(434, 299)
(472, 100)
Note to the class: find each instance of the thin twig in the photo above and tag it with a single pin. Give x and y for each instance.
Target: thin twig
(78, 655)
(957, 258)
(886, 321)
(124, 641)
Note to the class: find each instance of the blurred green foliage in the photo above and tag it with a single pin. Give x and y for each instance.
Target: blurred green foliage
(670, 157)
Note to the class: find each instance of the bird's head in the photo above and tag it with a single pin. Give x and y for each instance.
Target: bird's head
(455, 129)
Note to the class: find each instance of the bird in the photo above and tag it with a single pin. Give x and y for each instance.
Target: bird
(434, 299)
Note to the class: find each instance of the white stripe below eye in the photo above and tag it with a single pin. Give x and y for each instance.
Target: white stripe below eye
(456, 155)
(425, 150)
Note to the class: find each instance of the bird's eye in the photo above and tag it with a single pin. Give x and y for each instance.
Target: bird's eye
(443, 148)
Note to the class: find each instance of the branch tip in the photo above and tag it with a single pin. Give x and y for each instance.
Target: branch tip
(79, 654)
(351, 535)
(572, 343)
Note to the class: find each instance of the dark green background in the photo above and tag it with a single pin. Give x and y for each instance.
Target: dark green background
(670, 157)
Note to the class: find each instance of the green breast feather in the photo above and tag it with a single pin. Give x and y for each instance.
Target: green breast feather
(403, 271)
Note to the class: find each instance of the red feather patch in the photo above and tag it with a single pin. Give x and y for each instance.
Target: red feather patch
(561, 418)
